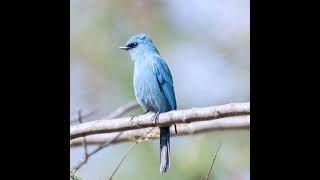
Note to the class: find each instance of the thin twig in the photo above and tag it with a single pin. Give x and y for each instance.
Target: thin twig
(122, 159)
(84, 142)
(73, 176)
(214, 158)
(126, 154)
(123, 109)
(104, 145)
(117, 113)
(99, 148)
(84, 145)
(84, 115)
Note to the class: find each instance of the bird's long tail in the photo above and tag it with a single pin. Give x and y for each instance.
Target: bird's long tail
(164, 149)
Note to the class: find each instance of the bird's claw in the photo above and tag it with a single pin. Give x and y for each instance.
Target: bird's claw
(135, 115)
(155, 117)
(146, 112)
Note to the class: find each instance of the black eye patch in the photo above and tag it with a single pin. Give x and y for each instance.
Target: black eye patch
(132, 45)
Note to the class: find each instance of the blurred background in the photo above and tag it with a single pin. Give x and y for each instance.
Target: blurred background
(206, 45)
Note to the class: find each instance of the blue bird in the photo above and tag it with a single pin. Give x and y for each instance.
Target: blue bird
(153, 86)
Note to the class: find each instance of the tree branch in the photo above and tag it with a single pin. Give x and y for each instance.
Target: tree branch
(229, 123)
(165, 119)
(117, 113)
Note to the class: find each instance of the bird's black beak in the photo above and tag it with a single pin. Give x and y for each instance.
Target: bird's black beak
(124, 47)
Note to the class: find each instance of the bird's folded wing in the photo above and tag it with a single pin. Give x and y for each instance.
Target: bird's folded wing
(164, 77)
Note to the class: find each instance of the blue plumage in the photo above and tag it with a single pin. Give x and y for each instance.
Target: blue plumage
(153, 86)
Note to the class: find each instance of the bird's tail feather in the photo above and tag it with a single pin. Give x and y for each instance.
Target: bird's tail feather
(164, 149)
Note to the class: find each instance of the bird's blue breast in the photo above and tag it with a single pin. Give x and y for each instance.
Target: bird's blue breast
(153, 84)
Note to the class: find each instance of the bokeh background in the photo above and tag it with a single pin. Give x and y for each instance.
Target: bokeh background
(205, 43)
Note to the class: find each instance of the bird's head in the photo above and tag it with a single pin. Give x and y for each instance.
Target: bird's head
(138, 45)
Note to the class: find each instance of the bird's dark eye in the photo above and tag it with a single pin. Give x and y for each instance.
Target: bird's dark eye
(132, 45)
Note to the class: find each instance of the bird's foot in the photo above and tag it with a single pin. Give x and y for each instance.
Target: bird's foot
(146, 112)
(133, 116)
(136, 115)
(175, 129)
(155, 117)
